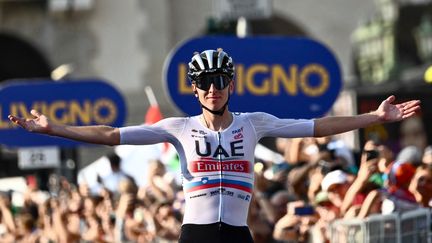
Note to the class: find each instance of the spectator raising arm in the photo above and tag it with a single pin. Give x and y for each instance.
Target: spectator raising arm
(6, 216)
(90, 134)
(386, 112)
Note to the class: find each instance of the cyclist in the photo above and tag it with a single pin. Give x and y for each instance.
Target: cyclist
(216, 148)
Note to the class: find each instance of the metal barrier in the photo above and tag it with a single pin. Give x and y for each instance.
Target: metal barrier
(352, 230)
(408, 227)
(415, 226)
(382, 228)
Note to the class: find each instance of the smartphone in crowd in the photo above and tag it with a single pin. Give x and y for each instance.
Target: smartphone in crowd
(372, 154)
(305, 210)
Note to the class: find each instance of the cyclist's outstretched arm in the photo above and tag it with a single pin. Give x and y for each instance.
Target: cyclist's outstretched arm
(97, 134)
(386, 112)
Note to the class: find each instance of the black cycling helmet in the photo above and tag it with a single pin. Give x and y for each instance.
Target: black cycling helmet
(210, 62)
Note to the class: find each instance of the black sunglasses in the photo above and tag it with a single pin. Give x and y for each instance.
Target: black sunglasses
(220, 82)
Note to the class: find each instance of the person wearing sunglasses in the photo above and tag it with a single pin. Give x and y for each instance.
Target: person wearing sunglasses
(216, 147)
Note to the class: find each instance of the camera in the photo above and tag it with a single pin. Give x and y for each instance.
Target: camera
(371, 154)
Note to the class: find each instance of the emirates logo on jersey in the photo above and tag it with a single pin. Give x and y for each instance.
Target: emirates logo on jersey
(229, 166)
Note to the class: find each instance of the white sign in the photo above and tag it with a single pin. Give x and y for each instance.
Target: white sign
(65, 5)
(38, 157)
(250, 9)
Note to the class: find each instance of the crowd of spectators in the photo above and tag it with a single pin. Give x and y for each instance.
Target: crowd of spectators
(78, 213)
(320, 181)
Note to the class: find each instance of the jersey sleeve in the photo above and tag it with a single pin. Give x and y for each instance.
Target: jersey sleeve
(267, 125)
(166, 130)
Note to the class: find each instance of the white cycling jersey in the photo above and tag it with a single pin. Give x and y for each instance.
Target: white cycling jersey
(217, 167)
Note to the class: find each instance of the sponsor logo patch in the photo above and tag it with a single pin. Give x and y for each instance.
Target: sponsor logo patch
(224, 192)
(244, 197)
(237, 130)
(229, 166)
(198, 195)
(238, 136)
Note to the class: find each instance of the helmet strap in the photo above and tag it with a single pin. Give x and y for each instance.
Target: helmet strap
(220, 111)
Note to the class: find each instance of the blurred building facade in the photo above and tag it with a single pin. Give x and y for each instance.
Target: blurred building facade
(127, 42)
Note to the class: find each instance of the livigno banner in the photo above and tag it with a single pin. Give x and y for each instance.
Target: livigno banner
(73, 102)
(286, 77)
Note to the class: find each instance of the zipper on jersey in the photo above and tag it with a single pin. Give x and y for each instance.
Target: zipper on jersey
(220, 176)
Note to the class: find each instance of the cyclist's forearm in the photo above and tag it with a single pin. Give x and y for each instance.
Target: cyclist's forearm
(339, 124)
(99, 134)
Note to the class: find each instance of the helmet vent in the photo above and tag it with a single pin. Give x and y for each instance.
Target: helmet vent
(210, 61)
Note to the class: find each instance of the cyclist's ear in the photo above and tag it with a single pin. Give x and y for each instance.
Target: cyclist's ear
(231, 87)
(194, 89)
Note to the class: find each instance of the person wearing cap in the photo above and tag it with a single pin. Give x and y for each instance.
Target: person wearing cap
(327, 213)
(398, 198)
(410, 154)
(333, 179)
(336, 184)
(216, 147)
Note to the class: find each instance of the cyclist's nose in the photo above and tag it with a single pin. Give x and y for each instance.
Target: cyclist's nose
(212, 87)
